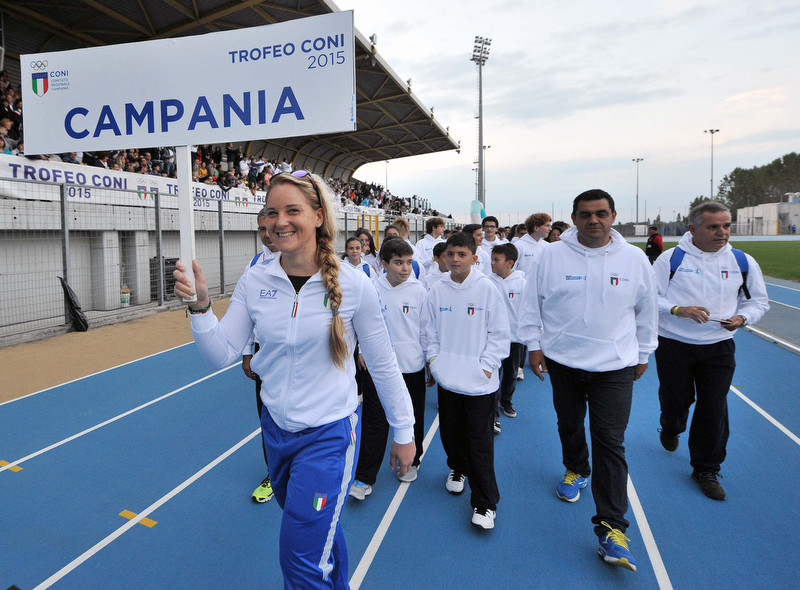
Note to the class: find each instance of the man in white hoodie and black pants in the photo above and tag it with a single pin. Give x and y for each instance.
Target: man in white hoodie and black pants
(706, 291)
(589, 318)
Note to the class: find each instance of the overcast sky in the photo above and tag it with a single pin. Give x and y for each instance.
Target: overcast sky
(574, 91)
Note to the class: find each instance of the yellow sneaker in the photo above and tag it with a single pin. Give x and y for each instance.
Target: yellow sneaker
(263, 492)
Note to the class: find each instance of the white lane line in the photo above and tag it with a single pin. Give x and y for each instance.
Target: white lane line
(97, 373)
(391, 511)
(653, 553)
(769, 418)
(783, 286)
(773, 338)
(143, 514)
(784, 304)
(114, 419)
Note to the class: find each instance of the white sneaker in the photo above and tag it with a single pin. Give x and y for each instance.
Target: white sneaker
(455, 482)
(360, 490)
(520, 374)
(483, 518)
(410, 476)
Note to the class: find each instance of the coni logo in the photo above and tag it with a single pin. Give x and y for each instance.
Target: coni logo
(39, 81)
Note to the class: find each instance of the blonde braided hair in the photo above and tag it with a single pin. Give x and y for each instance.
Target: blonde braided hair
(326, 257)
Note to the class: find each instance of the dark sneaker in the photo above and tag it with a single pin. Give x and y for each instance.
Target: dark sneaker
(668, 441)
(709, 484)
(508, 409)
(613, 548)
(497, 428)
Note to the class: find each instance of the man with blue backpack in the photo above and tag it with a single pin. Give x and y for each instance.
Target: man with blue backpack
(706, 291)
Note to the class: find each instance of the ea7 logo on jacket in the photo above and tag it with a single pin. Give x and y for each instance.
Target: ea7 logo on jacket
(450, 308)
(268, 294)
(574, 277)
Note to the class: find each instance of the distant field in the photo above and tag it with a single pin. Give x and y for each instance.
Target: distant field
(776, 259)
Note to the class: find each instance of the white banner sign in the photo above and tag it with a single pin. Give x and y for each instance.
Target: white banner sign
(282, 80)
(91, 184)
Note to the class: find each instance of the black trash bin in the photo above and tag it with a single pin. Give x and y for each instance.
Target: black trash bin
(169, 279)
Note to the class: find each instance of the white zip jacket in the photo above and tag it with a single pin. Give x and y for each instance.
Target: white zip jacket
(406, 311)
(511, 288)
(591, 308)
(424, 249)
(711, 280)
(467, 334)
(302, 387)
(266, 254)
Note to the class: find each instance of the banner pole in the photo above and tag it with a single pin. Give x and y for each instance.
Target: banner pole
(183, 165)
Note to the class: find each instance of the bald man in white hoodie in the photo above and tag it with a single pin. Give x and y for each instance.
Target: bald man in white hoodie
(589, 318)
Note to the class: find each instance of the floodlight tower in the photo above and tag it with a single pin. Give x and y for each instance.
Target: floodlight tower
(480, 53)
(712, 132)
(637, 160)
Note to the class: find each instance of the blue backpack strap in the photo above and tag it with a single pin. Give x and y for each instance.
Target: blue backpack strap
(255, 259)
(744, 267)
(675, 261)
(415, 266)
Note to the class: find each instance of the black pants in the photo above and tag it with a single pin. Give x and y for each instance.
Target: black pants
(375, 428)
(466, 429)
(704, 369)
(508, 377)
(608, 396)
(259, 405)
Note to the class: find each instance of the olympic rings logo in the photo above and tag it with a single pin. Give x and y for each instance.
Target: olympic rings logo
(39, 65)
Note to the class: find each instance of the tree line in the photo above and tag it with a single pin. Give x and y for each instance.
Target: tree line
(746, 187)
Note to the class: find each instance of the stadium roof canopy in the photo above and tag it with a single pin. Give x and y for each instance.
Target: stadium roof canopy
(392, 121)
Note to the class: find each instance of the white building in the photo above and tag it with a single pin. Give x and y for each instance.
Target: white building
(769, 219)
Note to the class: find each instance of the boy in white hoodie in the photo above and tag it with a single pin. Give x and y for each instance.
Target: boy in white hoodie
(403, 301)
(511, 284)
(468, 337)
(438, 269)
(589, 318)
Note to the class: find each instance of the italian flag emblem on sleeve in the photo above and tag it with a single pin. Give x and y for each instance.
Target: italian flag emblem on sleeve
(319, 501)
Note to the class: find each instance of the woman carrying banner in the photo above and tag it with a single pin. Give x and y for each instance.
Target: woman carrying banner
(309, 311)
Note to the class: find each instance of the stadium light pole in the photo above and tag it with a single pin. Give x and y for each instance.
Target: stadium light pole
(480, 53)
(712, 132)
(637, 160)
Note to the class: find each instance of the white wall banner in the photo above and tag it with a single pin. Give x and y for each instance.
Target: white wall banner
(100, 186)
(282, 80)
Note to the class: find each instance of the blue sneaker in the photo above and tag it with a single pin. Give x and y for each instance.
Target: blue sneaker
(569, 488)
(614, 548)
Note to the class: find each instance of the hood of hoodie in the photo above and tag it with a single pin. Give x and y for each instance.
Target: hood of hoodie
(595, 274)
(515, 274)
(384, 283)
(687, 245)
(473, 276)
